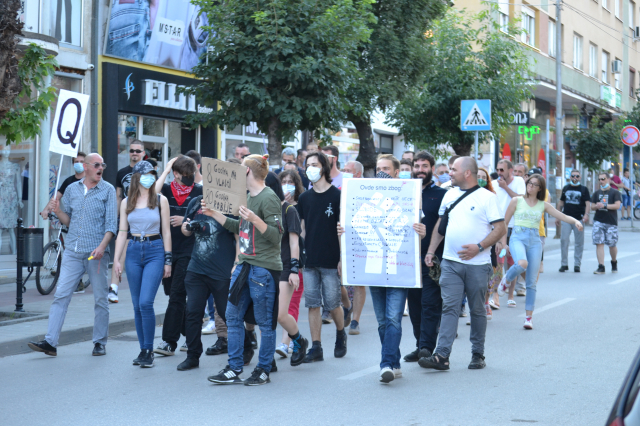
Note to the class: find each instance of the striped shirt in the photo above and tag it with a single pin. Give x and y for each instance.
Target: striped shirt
(92, 214)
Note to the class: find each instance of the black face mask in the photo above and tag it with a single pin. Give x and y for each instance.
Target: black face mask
(188, 180)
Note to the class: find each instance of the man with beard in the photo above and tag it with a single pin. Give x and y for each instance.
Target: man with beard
(425, 304)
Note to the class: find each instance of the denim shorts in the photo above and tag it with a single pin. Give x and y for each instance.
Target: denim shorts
(129, 32)
(321, 288)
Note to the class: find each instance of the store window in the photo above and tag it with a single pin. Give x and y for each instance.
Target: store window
(66, 19)
(248, 135)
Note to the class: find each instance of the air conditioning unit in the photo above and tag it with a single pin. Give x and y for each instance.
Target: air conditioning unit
(616, 66)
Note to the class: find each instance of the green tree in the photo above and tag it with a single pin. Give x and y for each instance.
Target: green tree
(601, 141)
(30, 107)
(10, 85)
(469, 58)
(394, 61)
(284, 64)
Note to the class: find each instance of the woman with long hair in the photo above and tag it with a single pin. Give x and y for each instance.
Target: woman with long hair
(291, 184)
(145, 215)
(525, 245)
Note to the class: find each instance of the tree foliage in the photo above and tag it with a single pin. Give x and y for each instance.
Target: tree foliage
(601, 141)
(284, 64)
(469, 58)
(30, 107)
(393, 62)
(11, 27)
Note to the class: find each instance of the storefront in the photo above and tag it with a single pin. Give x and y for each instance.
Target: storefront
(141, 104)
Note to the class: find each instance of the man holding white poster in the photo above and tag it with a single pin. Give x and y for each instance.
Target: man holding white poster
(377, 216)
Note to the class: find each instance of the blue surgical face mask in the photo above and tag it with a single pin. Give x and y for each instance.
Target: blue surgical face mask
(346, 175)
(288, 189)
(574, 184)
(443, 178)
(147, 180)
(78, 167)
(405, 175)
(604, 186)
(313, 173)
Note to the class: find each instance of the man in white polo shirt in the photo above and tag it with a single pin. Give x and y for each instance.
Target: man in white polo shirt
(474, 225)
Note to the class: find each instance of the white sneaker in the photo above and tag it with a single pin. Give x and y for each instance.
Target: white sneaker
(210, 328)
(387, 375)
(528, 324)
(283, 350)
(291, 347)
(469, 320)
(183, 348)
(397, 373)
(503, 287)
(113, 293)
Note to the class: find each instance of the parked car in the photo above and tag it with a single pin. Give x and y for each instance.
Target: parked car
(626, 408)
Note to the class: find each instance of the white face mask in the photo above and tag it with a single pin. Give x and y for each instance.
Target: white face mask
(347, 175)
(313, 173)
(288, 189)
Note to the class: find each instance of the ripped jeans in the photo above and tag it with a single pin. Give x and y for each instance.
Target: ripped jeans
(525, 245)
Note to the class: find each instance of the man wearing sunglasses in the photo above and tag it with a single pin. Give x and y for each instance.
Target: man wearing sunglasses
(575, 201)
(89, 210)
(123, 179)
(606, 202)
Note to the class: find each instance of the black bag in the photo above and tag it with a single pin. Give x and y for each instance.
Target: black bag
(444, 220)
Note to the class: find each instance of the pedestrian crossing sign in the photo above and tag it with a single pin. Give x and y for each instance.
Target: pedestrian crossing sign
(475, 115)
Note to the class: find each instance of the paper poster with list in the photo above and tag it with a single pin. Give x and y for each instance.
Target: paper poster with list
(224, 185)
(379, 246)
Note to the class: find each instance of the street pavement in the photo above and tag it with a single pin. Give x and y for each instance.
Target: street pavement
(566, 371)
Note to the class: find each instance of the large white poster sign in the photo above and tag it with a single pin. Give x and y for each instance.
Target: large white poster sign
(67, 124)
(379, 246)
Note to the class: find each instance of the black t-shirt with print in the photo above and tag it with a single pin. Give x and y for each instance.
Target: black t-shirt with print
(68, 181)
(605, 215)
(321, 213)
(123, 180)
(214, 249)
(291, 224)
(432, 196)
(575, 200)
(180, 244)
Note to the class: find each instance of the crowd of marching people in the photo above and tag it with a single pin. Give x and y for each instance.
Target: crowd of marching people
(482, 237)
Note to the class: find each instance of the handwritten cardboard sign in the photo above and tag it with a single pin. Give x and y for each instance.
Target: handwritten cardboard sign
(224, 185)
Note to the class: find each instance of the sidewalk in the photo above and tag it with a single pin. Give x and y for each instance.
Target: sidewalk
(78, 324)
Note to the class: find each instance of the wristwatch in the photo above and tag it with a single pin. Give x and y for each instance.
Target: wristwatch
(481, 249)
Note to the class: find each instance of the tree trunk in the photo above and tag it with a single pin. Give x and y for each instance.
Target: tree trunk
(463, 145)
(10, 85)
(367, 152)
(274, 147)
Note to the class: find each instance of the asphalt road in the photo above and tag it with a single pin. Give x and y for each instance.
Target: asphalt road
(566, 371)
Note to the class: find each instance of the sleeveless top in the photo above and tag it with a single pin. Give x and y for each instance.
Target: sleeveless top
(527, 216)
(144, 221)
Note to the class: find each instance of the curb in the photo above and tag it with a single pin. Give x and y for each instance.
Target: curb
(68, 337)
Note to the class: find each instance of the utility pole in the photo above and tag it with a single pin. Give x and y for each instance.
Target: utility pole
(559, 111)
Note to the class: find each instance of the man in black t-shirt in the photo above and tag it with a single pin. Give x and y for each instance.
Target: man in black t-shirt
(78, 168)
(319, 213)
(606, 202)
(179, 194)
(575, 201)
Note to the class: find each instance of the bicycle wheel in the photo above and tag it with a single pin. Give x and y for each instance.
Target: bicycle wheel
(636, 213)
(47, 274)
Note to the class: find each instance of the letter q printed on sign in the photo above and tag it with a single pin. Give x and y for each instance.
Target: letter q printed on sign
(224, 185)
(66, 132)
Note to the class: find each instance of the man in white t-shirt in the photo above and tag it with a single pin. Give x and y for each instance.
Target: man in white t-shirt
(476, 224)
(510, 185)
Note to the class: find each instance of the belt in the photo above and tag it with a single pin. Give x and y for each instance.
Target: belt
(142, 239)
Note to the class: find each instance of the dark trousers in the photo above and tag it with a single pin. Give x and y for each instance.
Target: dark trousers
(174, 317)
(199, 287)
(425, 311)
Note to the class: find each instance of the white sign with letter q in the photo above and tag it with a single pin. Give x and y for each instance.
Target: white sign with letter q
(66, 132)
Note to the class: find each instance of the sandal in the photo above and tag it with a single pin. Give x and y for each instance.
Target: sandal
(511, 303)
(493, 304)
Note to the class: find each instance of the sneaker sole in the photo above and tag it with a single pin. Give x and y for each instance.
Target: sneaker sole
(187, 369)
(184, 349)
(426, 364)
(39, 349)
(528, 327)
(257, 384)
(598, 273)
(353, 332)
(477, 367)
(309, 361)
(163, 352)
(217, 353)
(387, 377)
(282, 353)
(327, 321)
(226, 382)
(208, 332)
(146, 365)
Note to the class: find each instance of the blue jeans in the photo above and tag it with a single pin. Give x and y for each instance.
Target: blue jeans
(145, 267)
(261, 290)
(211, 309)
(388, 304)
(525, 244)
(129, 32)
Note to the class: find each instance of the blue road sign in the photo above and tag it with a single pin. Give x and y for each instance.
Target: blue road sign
(475, 115)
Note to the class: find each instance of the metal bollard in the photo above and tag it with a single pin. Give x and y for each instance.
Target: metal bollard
(19, 262)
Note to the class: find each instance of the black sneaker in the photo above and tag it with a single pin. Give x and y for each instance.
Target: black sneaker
(258, 377)
(221, 346)
(614, 267)
(412, 356)
(43, 346)
(340, 349)
(147, 359)
(79, 289)
(347, 315)
(563, 269)
(274, 366)
(227, 376)
(165, 349)
(300, 346)
(189, 364)
(254, 339)
(435, 361)
(137, 360)
(600, 270)
(99, 350)
(314, 355)
(576, 269)
(247, 356)
(477, 362)
(424, 353)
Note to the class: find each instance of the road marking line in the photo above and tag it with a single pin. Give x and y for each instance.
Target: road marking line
(621, 280)
(551, 306)
(360, 373)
